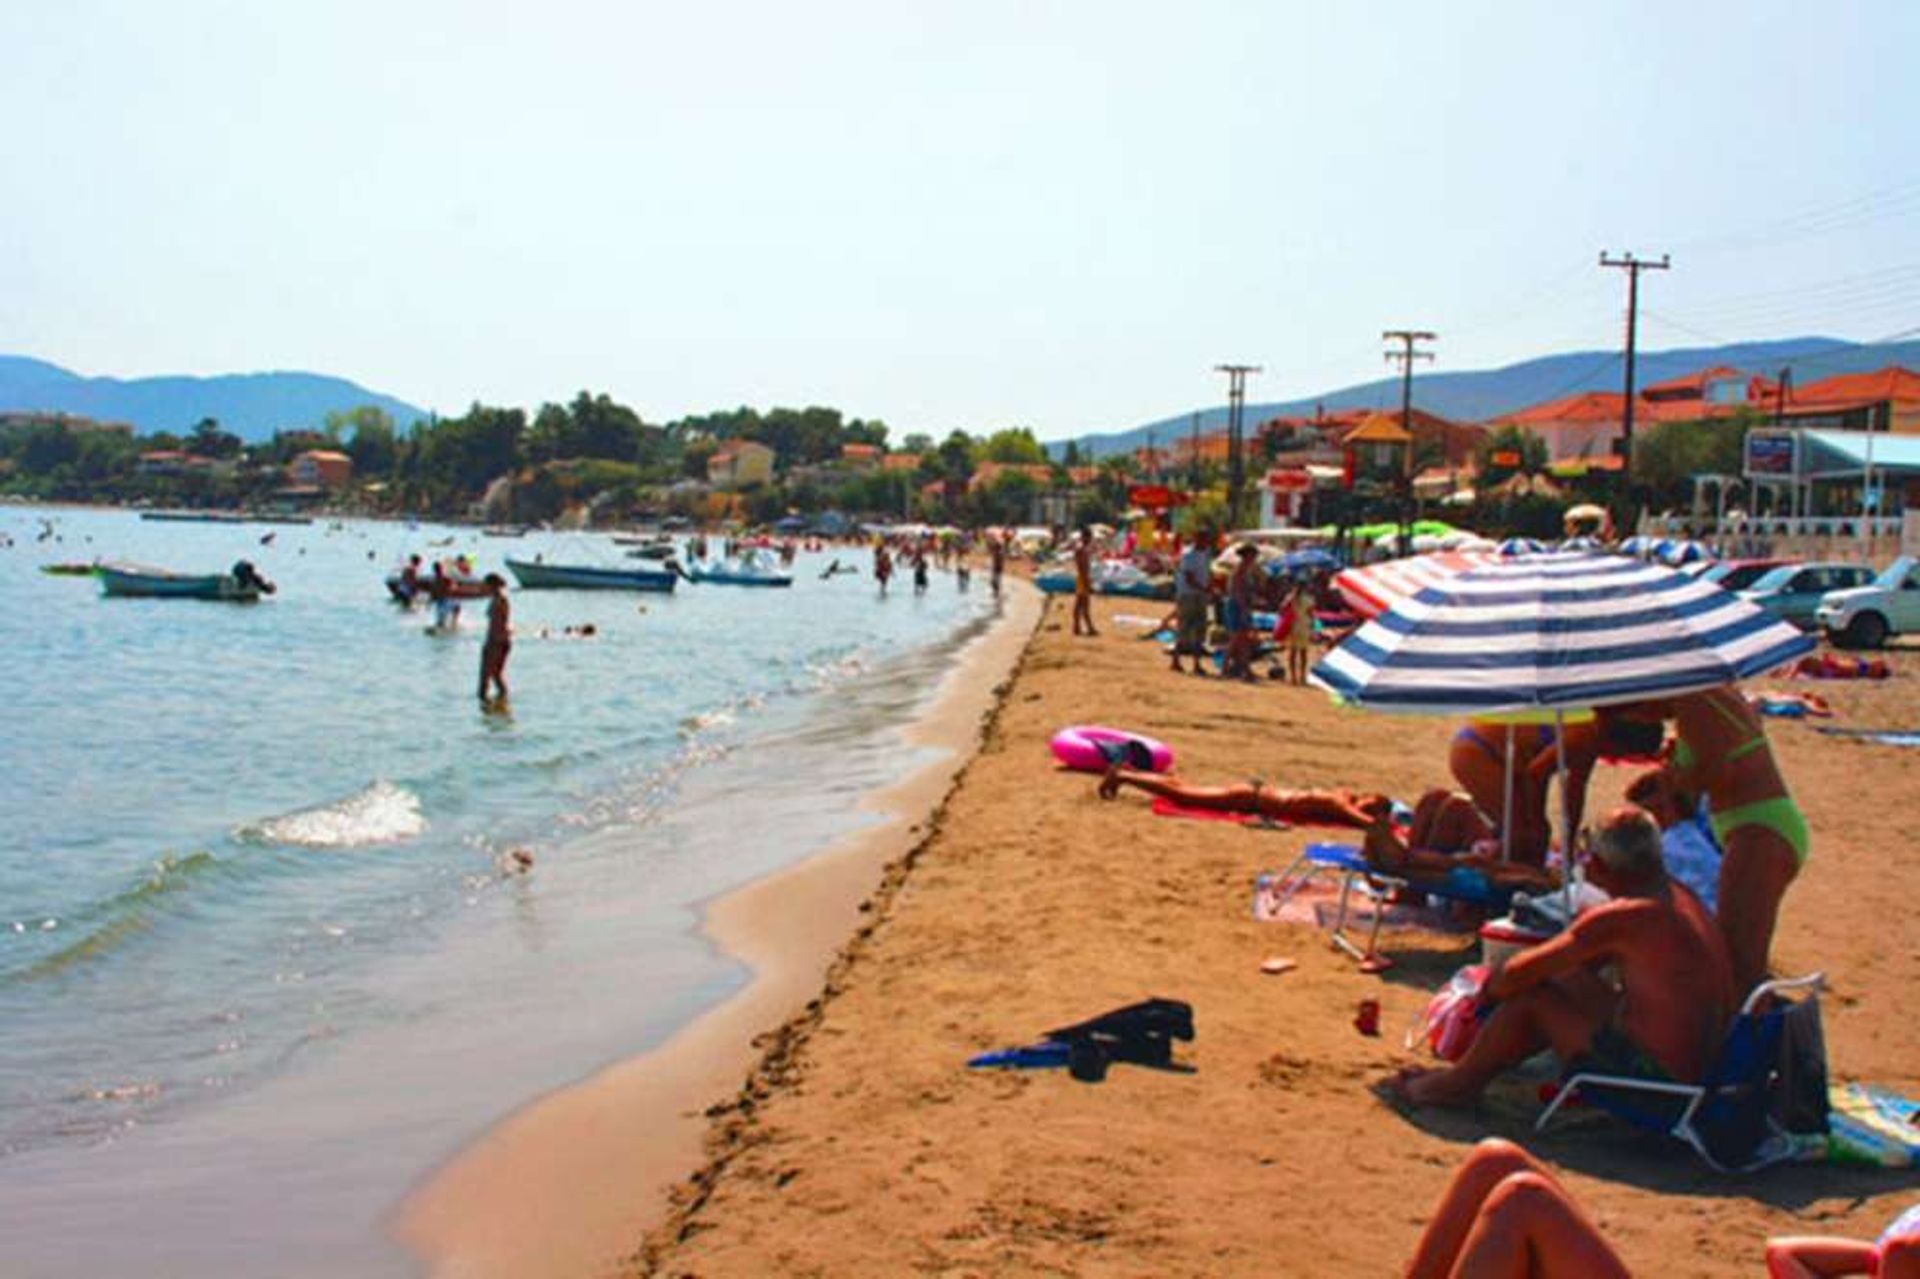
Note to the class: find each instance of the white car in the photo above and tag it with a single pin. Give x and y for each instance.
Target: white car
(1866, 616)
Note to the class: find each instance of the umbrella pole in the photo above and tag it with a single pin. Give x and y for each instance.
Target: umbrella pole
(1506, 806)
(1569, 863)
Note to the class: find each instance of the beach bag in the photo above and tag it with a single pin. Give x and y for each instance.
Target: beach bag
(1452, 1018)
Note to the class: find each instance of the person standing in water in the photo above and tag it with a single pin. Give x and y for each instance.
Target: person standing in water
(493, 654)
(1083, 583)
(882, 566)
(996, 561)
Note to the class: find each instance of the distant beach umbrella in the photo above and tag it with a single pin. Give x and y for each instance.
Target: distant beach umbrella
(1639, 546)
(1312, 559)
(1584, 544)
(1683, 552)
(1520, 546)
(1554, 631)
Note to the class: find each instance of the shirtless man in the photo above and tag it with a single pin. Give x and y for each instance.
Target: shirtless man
(493, 654)
(1318, 808)
(1675, 991)
(996, 561)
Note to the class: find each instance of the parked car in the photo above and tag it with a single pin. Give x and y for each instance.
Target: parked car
(1793, 591)
(1738, 575)
(1866, 616)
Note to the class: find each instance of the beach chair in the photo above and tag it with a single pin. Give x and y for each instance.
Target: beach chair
(1767, 1084)
(1356, 874)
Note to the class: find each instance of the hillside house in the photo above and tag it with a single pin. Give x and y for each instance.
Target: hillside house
(327, 469)
(739, 464)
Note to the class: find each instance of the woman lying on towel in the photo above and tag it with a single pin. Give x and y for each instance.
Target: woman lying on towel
(1303, 807)
(1482, 872)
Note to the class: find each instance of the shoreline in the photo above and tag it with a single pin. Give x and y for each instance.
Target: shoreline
(570, 1182)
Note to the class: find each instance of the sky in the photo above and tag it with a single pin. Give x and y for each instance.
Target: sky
(978, 215)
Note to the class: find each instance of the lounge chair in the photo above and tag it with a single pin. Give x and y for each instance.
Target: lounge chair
(1355, 872)
(1768, 1082)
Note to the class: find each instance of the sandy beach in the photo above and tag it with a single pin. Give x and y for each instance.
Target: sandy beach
(570, 1183)
(859, 1143)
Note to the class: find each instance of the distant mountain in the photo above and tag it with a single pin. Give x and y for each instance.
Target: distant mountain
(251, 405)
(1486, 393)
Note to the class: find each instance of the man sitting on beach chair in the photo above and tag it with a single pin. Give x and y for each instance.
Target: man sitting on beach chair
(1664, 1014)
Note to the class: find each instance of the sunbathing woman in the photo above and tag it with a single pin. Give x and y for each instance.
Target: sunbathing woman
(1387, 853)
(1306, 807)
(1721, 752)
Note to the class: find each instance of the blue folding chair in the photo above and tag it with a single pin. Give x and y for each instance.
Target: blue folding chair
(1730, 1117)
(1346, 861)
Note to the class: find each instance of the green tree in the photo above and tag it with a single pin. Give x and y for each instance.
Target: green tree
(208, 440)
(1014, 445)
(1668, 455)
(369, 433)
(918, 442)
(1511, 442)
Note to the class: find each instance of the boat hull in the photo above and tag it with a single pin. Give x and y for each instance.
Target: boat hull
(126, 584)
(576, 577)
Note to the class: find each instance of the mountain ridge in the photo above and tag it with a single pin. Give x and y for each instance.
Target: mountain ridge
(1474, 395)
(251, 405)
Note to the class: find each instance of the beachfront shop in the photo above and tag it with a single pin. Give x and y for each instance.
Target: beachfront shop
(1806, 475)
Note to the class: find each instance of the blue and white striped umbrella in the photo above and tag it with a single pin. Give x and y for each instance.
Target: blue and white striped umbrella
(1682, 552)
(1640, 546)
(1555, 631)
(1583, 543)
(1520, 546)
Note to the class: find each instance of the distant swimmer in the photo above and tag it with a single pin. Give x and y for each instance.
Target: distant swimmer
(266, 539)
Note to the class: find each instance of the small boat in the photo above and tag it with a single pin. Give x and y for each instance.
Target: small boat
(135, 580)
(73, 568)
(501, 530)
(533, 575)
(653, 551)
(744, 571)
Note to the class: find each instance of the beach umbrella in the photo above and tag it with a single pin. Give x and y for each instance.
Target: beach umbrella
(1555, 632)
(1375, 588)
(1520, 546)
(1312, 559)
(1683, 552)
(1583, 543)
(1639, 546)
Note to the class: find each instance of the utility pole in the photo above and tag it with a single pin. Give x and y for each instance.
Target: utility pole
(1193, 456)
(1633, 267)
(1153, 461)
(1236, 461)
(1409, 352)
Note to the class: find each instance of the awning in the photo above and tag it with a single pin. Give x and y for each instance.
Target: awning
(1837, 453)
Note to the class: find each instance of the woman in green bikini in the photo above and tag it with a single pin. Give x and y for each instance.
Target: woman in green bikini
(1721, 751)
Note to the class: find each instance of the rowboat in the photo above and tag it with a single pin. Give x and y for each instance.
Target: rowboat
(135, 580)
(72, 568)
(538, 576)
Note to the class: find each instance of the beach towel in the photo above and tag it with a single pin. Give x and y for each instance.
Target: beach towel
(1316, 903)
(1883, 737)
(1790, 705)
(1869, 1125)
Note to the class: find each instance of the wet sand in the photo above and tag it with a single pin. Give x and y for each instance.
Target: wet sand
(861, 1145)
(570, 1184)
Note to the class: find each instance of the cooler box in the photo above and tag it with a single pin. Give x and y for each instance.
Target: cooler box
(1501, 939)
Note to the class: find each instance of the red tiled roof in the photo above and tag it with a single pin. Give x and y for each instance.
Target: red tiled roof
(1890, 383)
(1586, 406)
(1378, 429)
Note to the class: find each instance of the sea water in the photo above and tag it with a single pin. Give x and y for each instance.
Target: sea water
(264, 954)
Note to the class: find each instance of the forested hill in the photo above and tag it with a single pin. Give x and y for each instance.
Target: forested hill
(1479, 394)
(250, 405)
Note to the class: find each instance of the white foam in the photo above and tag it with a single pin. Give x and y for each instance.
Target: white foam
(381, 814)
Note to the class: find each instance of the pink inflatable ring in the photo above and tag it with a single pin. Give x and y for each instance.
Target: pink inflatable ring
(1092, 749)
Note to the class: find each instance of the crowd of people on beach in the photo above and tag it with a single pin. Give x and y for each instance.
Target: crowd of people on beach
(1681, 892)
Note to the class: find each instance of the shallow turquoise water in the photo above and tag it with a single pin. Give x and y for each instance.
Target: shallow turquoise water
(255, 849)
